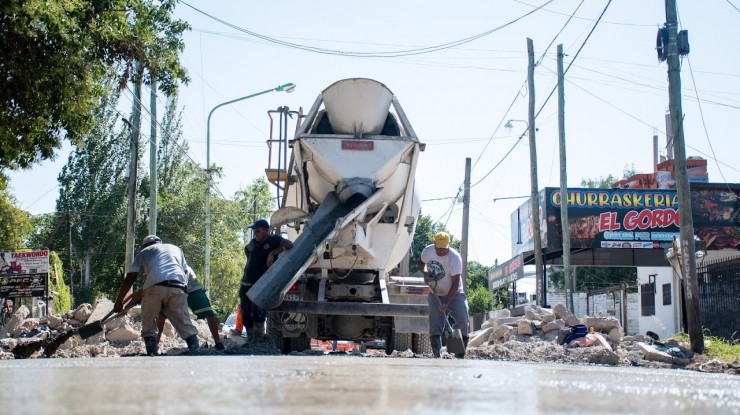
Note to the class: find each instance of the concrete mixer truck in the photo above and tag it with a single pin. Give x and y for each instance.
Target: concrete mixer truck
(348, 201)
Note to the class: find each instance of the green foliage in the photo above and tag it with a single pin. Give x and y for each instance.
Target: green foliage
(93, 190)
(424, 235)
(252, 203)
(16, 224)
(600, 183)
(480, 300)
(477, 275)
(58, 289)
(607, 182)
(715, 347)
(53, 54)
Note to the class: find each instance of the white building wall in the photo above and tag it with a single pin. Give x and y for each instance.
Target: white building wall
(665, 320)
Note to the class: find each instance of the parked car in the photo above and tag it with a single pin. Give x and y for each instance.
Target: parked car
(229, 326)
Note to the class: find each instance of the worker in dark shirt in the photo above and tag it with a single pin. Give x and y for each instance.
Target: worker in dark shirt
(261, 252)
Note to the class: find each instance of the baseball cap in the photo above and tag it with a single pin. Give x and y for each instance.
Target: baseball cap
(260, 223)
(442, 240)
(151, 239)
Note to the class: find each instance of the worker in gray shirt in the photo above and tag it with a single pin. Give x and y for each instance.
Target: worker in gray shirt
(165, 288)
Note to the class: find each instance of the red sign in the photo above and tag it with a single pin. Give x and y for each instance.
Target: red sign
(357, 145)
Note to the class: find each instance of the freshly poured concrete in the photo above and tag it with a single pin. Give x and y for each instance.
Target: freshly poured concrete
(344, 385)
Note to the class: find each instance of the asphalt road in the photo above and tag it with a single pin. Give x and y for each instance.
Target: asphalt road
(347, 385)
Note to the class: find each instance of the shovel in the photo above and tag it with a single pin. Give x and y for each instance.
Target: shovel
(453, 337)
(91, 329)
(50, 346)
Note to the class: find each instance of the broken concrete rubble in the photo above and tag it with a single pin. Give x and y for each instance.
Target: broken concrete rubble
(532, 337)
(502, 337)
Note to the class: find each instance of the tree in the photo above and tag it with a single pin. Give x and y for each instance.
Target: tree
(93, 190)
(57, 288)
(477, 275)
(424, 235)
(607, 182)
(600, 183)
(53, 54)
(16, 224)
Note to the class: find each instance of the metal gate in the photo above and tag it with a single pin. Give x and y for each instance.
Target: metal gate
(610, 302)
(719, 297)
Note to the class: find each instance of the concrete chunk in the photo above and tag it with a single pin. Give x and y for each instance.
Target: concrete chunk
(653, 354)
(553, 325)
(525, 327)
(480, 337)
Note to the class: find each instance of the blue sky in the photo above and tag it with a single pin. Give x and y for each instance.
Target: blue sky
(459, 98)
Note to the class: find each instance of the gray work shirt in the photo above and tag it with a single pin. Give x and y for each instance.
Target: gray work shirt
(193, 282)
(160, 262)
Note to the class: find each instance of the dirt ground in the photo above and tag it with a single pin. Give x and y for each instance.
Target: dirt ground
(536, 348)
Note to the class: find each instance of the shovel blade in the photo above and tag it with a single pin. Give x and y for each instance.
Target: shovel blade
(90, 330)
(455, 344)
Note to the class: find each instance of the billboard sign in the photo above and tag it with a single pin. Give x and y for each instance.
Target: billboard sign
(24, 274)
(632, 218)
(506, 273)
(614, 218)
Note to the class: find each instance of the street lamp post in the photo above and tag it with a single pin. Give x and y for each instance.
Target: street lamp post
(289, 87)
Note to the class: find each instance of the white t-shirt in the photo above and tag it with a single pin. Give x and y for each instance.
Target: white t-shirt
(451, 264)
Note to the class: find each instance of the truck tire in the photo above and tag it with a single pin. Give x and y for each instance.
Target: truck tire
(421, 343)
(397, 341)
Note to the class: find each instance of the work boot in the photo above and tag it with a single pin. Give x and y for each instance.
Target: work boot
(436, 342)
(259, 330)
(465, 342)
(151, 345)
(192, 342)
(250, 334)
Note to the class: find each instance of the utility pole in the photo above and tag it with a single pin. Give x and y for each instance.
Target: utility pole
(133, 166)
(564, 223)
(686, 228)
(69, 254)
(534, 196)
(153, 156)
(465, 225)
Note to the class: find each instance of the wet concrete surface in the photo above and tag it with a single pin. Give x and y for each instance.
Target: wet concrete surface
(347, 384)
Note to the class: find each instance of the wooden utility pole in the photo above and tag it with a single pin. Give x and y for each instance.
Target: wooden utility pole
(564, 223)
(465, 225)
(134, 127)
(69, 255)
(686, 228)
(535, 194)
(153, 156)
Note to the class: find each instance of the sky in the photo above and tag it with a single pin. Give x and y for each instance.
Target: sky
(458, 93)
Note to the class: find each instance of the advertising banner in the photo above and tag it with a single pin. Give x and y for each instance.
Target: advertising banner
(614, 218)
(643, 218)
(506, 273)
(24, 274)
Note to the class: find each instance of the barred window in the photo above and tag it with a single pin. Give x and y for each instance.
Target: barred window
(647, 299)
(666, 294)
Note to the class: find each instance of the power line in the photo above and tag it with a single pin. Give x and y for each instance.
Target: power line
(542, 56)
(385, 54)
(704, 123)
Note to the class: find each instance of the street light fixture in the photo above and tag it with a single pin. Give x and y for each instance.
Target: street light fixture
(289, 87)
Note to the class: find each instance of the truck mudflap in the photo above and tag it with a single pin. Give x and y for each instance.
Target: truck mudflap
(290, 265)
(354, 309)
